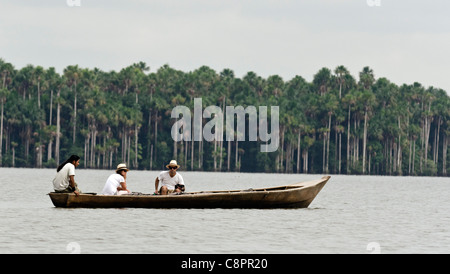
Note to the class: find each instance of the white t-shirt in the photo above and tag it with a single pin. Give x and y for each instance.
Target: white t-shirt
(61, 180)
(112, 184)
(170, 182)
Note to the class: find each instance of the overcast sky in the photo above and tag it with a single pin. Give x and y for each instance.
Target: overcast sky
(404, 41)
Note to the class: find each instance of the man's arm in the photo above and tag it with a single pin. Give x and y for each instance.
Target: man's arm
(72, 181)
(156, 185)
(123, 186)
(72, 184)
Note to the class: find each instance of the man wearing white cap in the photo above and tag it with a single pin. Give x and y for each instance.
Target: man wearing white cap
(170, 180)
(117, 183)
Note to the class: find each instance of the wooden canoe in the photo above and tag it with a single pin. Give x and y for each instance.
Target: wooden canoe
(298, 195)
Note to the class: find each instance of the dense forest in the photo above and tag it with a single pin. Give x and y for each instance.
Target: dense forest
(335, 124)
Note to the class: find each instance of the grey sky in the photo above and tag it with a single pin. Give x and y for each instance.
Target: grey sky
(404, 41)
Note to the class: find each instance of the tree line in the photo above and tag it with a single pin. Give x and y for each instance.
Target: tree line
(335, 124)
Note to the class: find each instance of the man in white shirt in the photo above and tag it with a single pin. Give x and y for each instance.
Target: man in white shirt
(170, 180)
(116, 183)
(64, 181)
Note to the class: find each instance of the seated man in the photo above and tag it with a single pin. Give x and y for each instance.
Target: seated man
(64, 181)
(116, 183)
(171, 181)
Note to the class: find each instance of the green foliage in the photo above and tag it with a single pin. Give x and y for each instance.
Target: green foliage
(333, 124)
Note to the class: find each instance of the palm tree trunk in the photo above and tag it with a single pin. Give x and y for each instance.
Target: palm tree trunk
(305, 161)
(236, 159)
(437, 140)
(399, 154)
(340, 151)
(129, 150)
(124, 146)
(86, 149)
(356, 144)
(282, 149)
(156, 136)
(186, 150)
(1, 132)
(13, 156)
(410, 156)
(74, 115)
(444, 155)
(348, 141)
(221, 138)
(324, 152)
(39, 94)
(58, 128)
(220, 154)
(414, 156)
(50, 108)
(427, 133)
(149, 136)
(229, 155)
(136, 144)
(328, 143)
(151, 157)
(364, 143)
(298, 151)
(192, 151)
(175, 149)
(50, 143)
(288, 157)
(200, 154)
(215, 154)
(93, 145)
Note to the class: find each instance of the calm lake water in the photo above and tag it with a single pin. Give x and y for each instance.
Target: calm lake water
(352, 214)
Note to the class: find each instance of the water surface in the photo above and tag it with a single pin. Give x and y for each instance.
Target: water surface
(352, 214)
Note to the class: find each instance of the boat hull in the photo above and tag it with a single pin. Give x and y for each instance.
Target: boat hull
(291, 196)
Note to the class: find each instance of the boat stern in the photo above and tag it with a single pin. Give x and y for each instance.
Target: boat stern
(59, 199)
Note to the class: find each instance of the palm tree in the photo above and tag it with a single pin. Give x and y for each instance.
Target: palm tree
(445, 145)
(72, 74)
(341, 73)
(369, 101)
(3, 94)
(227, 78)
(52, 79)
(24, 79)
(384, 123)
(59, 101)
(322, 80)
(440, 107)
(329, 104)
(38, 77)
(427, 114)
(255, 83)
(349, 100)
(6, 71)
(366, 78)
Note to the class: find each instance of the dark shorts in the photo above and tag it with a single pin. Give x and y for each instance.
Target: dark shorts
(69, 189)
(169, 191)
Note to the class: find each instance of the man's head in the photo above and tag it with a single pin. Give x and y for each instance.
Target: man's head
(121, 168)
(172, 166)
